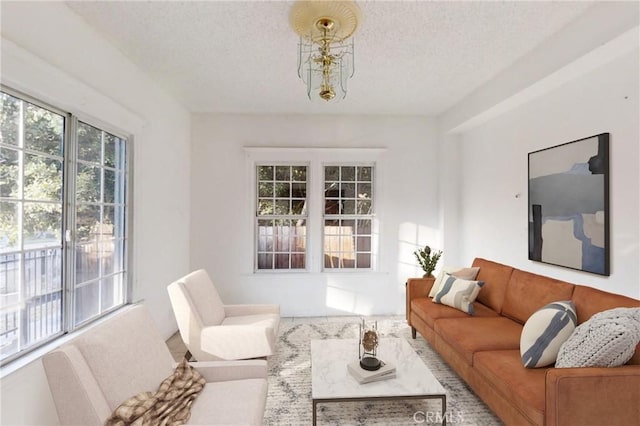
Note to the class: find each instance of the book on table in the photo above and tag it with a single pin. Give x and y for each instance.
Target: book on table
(387, 371)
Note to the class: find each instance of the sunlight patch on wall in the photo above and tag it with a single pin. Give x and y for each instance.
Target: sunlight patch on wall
(411, 237)
(348, 300)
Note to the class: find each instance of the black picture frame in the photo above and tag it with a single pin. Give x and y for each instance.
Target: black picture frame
(568, 205)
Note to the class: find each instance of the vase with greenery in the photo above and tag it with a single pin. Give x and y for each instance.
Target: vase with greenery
(427, 259)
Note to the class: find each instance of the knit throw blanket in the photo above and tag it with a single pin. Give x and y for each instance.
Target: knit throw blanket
(170, 405)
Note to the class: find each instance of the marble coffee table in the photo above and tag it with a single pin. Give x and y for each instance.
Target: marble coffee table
(331, 382)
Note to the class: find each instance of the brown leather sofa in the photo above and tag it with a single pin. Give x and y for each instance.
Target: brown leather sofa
(484, 349)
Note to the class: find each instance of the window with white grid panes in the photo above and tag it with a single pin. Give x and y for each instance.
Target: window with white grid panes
(32, 145)
(99, 222)
(62, 223)
(348, 216)
(281, 217)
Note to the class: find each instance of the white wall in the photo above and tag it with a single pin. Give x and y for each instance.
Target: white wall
(493, 214)
(50, 53)
(222, 225)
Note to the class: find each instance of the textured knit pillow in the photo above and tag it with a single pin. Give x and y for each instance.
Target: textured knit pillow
(545, 331)
(458, 293)
(464, 273)
(607, 339)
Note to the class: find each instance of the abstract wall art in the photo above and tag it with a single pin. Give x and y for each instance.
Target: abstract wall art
(569, 205)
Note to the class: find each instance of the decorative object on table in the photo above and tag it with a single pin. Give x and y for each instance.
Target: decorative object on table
(569, 205)
(325, 56)
(385, 372)
(368, 347)
(290, 373)
(427, 259)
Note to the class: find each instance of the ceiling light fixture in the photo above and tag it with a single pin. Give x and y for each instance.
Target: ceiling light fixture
(325, 58)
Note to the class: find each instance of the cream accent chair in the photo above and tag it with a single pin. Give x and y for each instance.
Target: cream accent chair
(91, 375)
(214, 331)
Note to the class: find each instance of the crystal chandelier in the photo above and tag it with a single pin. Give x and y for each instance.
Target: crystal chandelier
(325, 58)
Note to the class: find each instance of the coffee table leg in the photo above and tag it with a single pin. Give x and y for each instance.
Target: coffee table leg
(444, 410)
(314, 412)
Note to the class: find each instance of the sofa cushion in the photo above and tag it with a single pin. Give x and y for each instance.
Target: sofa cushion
(429, 311)
(235, 402)
(527, 292)
(258, 320)
(590, 301)
(523, 387)
(75, 391)
(168, 404)
(608, 339)
(207, 305)
(458, 293)
(496, 277)
(120, 374)
(474, 334)
(545, 331)
(464, 273)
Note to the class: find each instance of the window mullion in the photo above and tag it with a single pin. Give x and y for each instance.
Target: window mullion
(71, 168)
(314, 206)
(19, 216)
(101, 245)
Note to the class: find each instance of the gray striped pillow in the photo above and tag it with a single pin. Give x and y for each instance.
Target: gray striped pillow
(464, 273)
(458, 293)
(545, 331)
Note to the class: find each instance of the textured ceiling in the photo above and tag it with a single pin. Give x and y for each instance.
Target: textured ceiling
(412, 58)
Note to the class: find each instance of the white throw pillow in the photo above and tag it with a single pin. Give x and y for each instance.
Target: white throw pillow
(458, 293)
(545, 331)
(607, 339)
(464, 273)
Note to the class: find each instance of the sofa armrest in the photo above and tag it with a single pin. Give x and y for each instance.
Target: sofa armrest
(417, 287)
(240, 310)
(222, 371)
(238, 341)
(592, 396)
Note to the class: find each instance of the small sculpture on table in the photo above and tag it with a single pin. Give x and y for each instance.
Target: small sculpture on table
(368, 347)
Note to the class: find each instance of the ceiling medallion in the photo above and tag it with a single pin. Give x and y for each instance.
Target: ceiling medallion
(325, 54)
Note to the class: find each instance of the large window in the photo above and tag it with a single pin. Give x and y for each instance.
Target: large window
(348, 216)
(281, 216)
(314, 216)
(62, 223)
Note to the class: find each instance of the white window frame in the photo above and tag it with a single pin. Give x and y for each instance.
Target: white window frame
(355, 217)
(69, 164)
(316, 159)
(274, 216)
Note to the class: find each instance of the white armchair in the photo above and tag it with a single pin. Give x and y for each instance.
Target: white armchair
(214, 331)
(92, 375)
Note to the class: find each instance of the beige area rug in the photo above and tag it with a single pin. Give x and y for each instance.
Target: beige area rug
(289, 399)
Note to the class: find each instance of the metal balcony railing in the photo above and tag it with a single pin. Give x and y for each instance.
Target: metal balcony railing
(31, 308)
